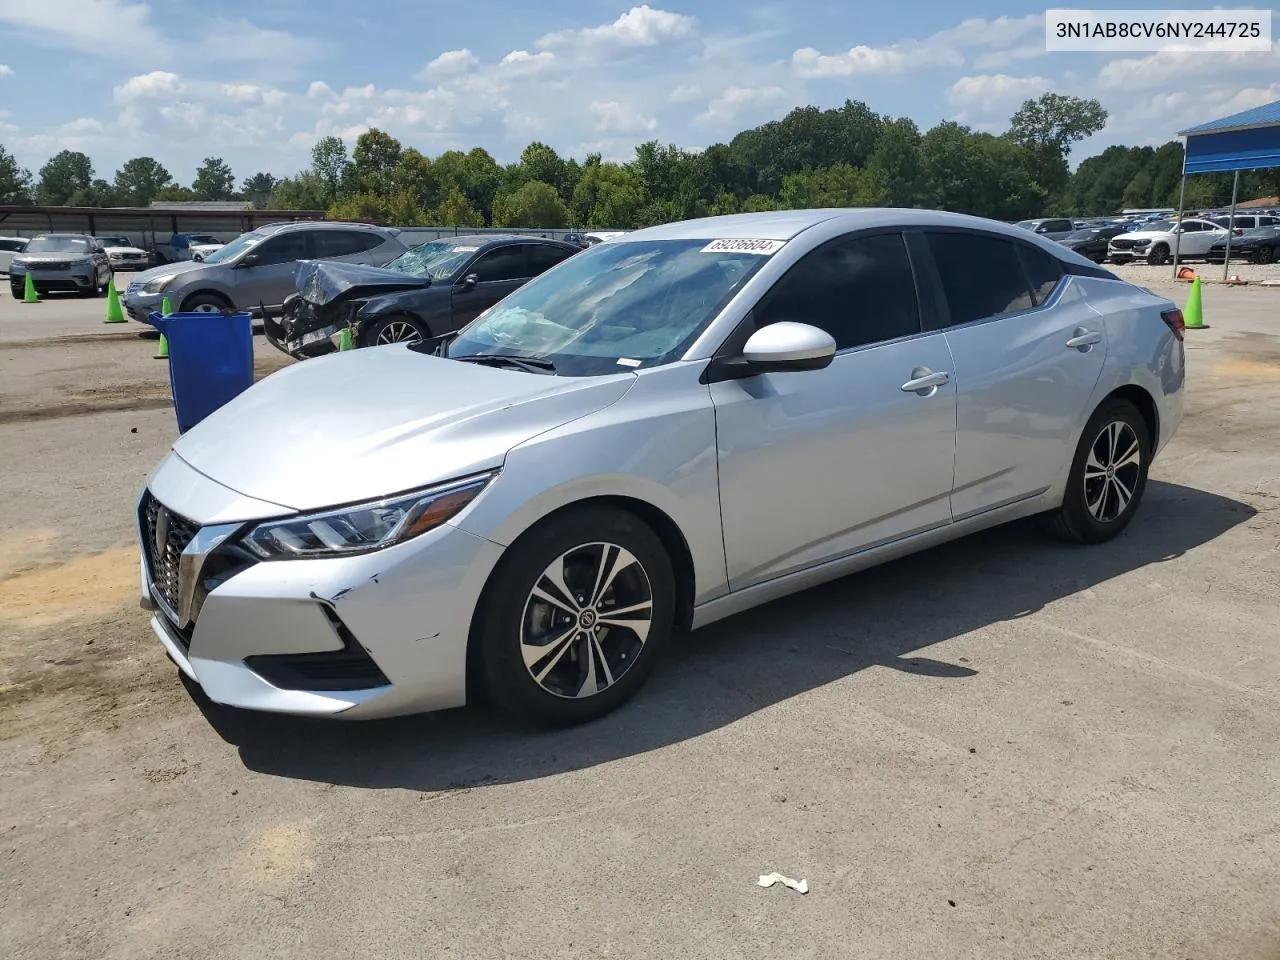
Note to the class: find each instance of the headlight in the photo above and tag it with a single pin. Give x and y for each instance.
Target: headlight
(365, 527)
(158, 284)
(1141, 243)
(21, 264)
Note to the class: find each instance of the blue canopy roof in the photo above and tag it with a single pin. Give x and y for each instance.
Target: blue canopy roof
(1248, 140)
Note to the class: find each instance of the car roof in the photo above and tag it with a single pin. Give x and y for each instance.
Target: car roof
(787, 224)
(319, 225)
(77, 236)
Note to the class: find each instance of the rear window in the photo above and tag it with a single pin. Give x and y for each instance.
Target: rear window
(981, 276)
(1043, 270)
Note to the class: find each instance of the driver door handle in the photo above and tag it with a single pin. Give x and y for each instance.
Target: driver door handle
(924, 381)
(1084, 338)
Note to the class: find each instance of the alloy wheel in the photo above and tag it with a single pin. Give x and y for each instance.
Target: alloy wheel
(1111, 471)
(205, 307)
(398, 331)
(586, 620)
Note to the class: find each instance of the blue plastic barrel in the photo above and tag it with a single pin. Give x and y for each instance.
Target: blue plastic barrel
(210, 361)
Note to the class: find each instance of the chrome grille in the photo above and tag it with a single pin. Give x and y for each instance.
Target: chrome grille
(175, 532)
(1123, 244)
(48, 265)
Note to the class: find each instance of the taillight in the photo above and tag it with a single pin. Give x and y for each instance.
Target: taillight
(1173, 318)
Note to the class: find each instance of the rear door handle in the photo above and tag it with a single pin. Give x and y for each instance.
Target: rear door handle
(1084, 338)
(924, 381)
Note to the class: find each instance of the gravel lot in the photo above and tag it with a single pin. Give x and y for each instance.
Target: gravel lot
(1146, 275)
(1003, 748)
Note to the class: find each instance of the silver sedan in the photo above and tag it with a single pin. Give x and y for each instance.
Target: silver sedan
(669, 428)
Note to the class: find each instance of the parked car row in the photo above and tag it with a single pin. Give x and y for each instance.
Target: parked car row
(657, 432)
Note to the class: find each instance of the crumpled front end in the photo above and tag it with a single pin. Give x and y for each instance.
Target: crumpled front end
(305, 329)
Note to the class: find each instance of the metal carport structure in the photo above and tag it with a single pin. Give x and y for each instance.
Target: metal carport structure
(1248, 140)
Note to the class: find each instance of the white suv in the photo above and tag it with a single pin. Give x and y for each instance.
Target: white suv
(1155, 242)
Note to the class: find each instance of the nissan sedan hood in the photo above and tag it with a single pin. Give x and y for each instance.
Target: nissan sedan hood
(321, 281)
(166, 270)
(367, 423)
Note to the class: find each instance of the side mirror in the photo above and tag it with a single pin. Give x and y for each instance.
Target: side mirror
(783, 347)
(197, 257)
(248, 260)
(470, 280)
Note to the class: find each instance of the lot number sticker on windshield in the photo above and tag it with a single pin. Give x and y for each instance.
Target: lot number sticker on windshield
(762, 247)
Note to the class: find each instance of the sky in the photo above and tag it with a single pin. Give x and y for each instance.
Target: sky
(257, 83)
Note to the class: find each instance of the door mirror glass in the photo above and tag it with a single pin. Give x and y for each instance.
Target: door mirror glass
(197, 257)
(470, 280)
(248, 260)
(785, 346)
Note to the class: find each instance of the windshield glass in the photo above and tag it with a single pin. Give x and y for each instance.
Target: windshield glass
(1025, 224)
(245, 241)
(615, 307)
(439, 259)
(58, 245)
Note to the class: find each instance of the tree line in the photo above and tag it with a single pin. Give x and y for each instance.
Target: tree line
(848, 156)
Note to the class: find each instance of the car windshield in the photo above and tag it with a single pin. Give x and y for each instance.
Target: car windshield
(116, 242)
(58, 245)
(1025, 224)
(439, 259)
(246, 241)
(615, 307)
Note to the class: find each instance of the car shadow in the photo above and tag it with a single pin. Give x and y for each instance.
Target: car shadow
(717, 675)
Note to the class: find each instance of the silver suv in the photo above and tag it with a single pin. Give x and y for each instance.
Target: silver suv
(61, 261)
(255, 271)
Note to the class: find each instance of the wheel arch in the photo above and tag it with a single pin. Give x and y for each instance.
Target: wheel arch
(1146, 404)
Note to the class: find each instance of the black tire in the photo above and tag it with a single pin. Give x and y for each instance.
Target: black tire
(394, 324)
(1159, 254)
(509, 611)
(17, 291)
(199, 302)
(1265, 255)
(1075, 520)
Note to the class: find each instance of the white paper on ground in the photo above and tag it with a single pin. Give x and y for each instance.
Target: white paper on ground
(769, 879)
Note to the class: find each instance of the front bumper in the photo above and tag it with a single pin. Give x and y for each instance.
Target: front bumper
(72, 278)
(130, 261)
(279, 636)
(139, 305)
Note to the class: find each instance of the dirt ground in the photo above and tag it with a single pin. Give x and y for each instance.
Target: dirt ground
(1005, 747)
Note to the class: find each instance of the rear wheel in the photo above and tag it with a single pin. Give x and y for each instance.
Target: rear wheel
(1158, 255)
(1265, 255)
(397, 328)
(1108, 475)
(576, 616)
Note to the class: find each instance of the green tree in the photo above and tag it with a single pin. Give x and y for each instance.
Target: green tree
(329, 168)
(456, 211)
(139, 180)
(540, 162)
(214, 180)
(536, 204)
(608, 196)
(258, 189)
(15, 182)
(839, 185)
(759, 203)
(1047, 127)
(415, 174)
(176, 193)
(67, 173)
(373, 162)
(307, 191)
(100, 194)
(1138, 192)
(895, 162)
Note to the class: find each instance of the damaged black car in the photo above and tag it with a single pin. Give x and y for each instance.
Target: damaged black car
(430, 290)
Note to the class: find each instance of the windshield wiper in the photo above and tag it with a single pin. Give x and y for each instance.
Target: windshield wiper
(433, 346)
(528, 364)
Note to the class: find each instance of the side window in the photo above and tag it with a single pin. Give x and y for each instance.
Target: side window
(542, 257)
(1044, 270)
(1266, 221)
(1195, 226)
(505, 263)
(860, 290)
(284, 248)
(343, 243)
(981, 276)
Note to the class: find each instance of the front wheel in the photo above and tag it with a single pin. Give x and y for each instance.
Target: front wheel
(576, 616)
(1265, 255)
(1159, 255)
(204, 303)
(1108, 475)
(397, 328)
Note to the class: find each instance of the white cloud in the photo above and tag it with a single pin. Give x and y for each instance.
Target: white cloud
(119, 28)
(946, 48)
(641, 26)
(686, 93)
(451, 63)
(319, 90)
(729, 104)
(611, 116)
(6, 70)
(988, 93)
(524, 62)
(81, 126)
(157, 83)
(1171, 67)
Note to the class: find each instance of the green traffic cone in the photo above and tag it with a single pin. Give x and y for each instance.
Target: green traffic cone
(29, 294)
(163, 352)
(166, 308)
(1193, 316)
(344, 339)
(114, 313)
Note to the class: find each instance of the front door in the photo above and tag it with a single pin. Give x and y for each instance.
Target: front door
(1028, 353)
(820, 464)
(269, 278)
(488, 279)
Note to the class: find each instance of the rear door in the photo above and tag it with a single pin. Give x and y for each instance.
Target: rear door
(269, 278)
(542, 257)
(488, 279)
(1028, 352)
(349, 246)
